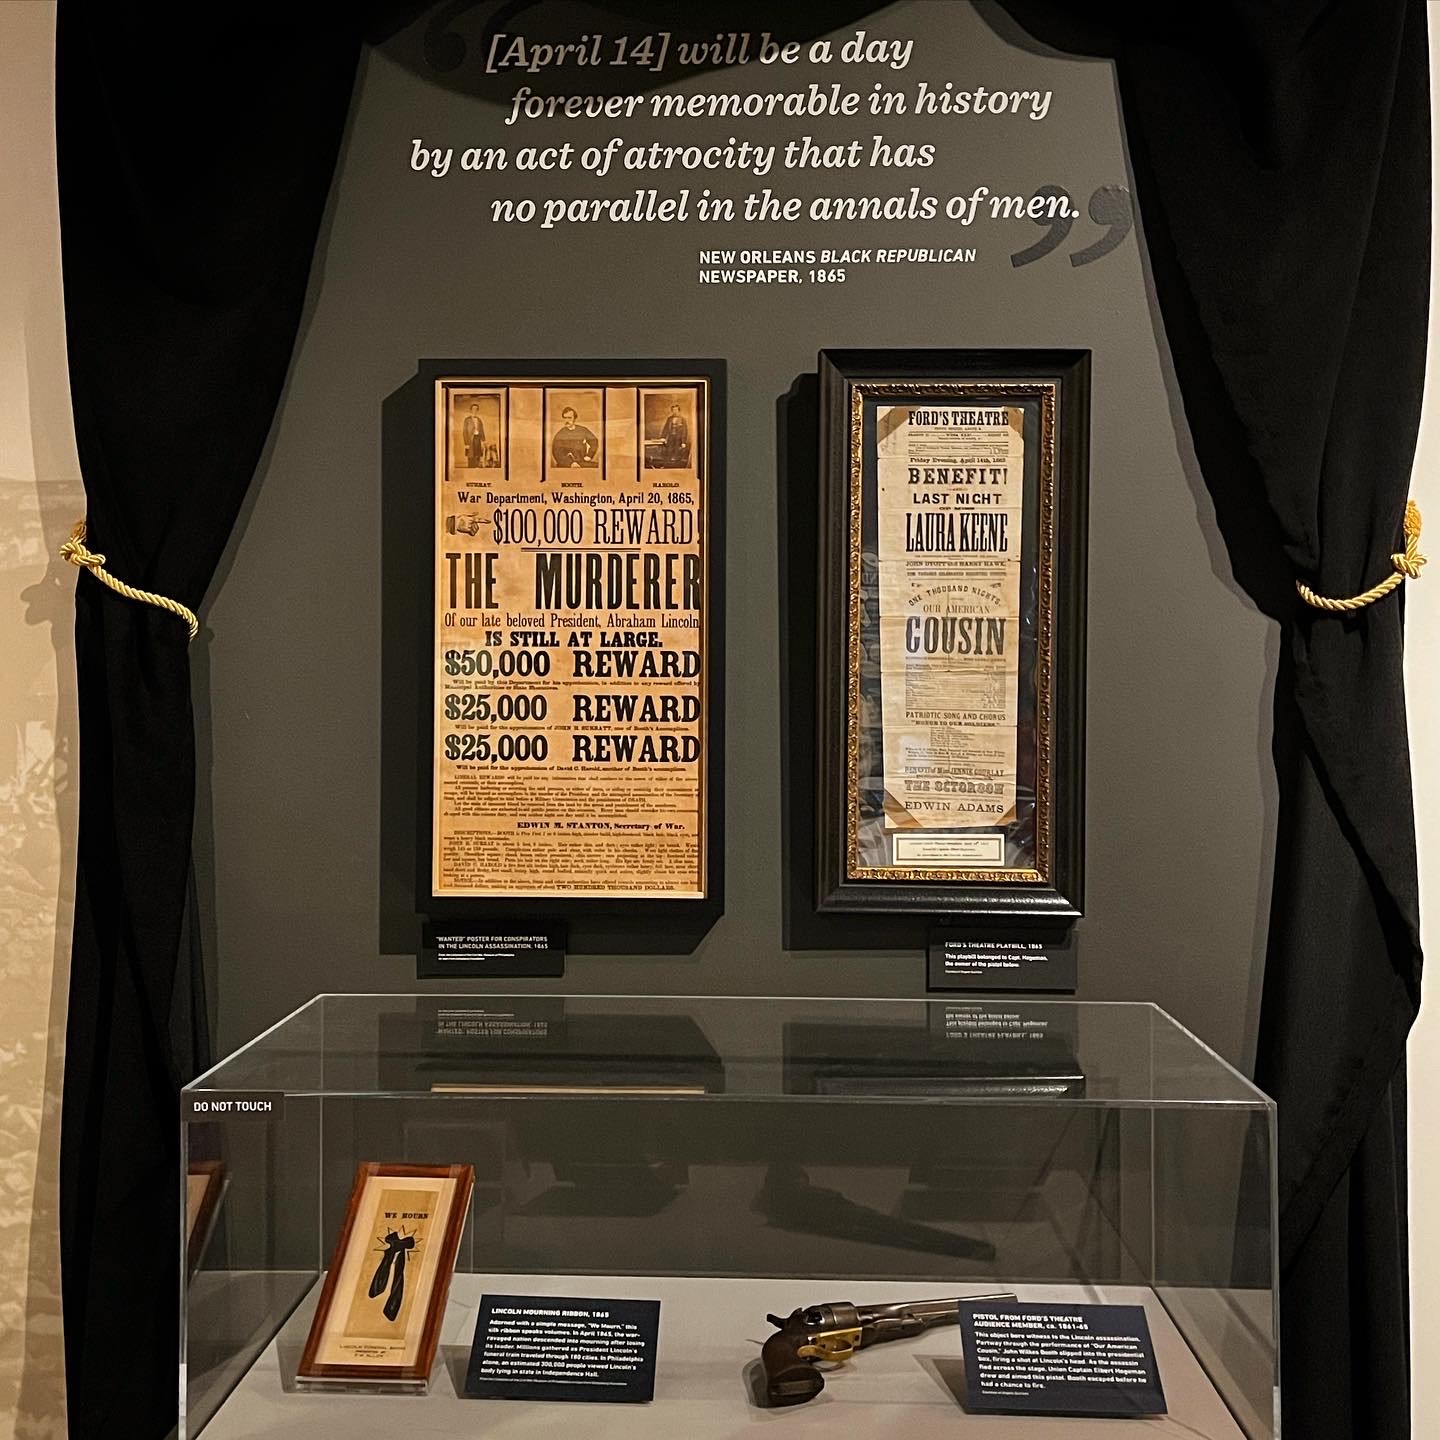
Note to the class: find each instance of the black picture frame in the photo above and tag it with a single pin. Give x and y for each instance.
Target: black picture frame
(597, 921)
(1052, 889)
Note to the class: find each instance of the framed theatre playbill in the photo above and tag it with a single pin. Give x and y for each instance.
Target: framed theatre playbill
(378, 1320)
(952, 639)
(576, 669)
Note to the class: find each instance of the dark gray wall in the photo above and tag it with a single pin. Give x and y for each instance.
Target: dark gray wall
(288, 687)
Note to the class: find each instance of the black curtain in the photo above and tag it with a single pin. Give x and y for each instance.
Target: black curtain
(195, 151)
(1283, 154)
(1282, 166)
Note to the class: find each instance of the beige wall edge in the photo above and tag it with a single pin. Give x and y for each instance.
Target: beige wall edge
(40, 497)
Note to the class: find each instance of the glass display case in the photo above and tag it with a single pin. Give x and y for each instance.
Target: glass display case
(731, 1157)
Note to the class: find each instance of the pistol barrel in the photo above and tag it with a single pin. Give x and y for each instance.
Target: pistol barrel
(899, 1318)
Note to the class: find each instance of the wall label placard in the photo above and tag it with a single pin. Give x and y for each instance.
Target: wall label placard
(1024, 1359)
(548, 1347)
(574, 580)
(961, 961)
(509, 951)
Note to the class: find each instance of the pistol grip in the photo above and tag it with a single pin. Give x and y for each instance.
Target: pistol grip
(789, 1378)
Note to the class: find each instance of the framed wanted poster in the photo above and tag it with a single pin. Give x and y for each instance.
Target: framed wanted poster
(952, 576)
(575, 733)
(383, 1299)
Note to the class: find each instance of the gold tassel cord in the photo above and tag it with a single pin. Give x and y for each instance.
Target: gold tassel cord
(1406, 567)
(75, 552)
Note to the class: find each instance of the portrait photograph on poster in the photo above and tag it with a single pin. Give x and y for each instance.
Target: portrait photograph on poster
(951, 684)
(573, 424)
(378, 1318)
(669, 417)
(477, 418)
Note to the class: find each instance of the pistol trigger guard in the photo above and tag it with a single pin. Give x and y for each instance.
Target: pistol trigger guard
(836, 1346)
(823, 1356)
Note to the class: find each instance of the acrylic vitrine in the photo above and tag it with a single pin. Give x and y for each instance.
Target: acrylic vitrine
(733, 1157)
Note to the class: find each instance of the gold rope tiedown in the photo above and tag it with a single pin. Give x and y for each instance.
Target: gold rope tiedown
(1407, 567)
(75, 552)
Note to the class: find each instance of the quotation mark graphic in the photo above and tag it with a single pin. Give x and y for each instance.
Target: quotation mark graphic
(1109, 207)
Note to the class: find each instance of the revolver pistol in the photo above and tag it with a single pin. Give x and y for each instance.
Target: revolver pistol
(836, 1330)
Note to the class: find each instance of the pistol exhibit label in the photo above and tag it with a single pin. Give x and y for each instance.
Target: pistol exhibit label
(1060, 1360)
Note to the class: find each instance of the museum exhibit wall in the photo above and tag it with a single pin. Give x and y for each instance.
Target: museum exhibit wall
(40, 498)
(299, 890)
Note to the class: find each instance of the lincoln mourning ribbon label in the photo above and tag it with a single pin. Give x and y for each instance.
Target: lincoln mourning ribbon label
(571, 590)
(551, 1347)
(949, 481)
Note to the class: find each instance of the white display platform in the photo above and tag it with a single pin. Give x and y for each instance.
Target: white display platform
(708, 1380)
